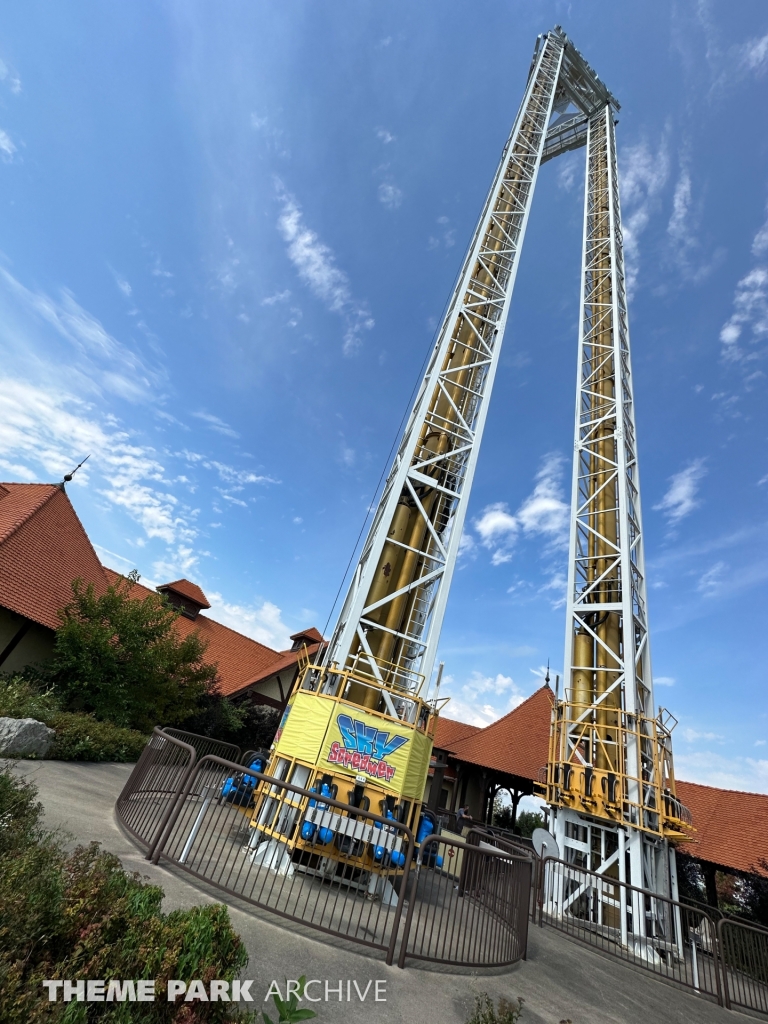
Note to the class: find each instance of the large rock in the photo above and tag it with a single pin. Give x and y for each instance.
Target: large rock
(24, 737)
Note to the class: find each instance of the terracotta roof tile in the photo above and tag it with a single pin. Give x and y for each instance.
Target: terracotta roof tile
(43, 548)
(187, 589)
(448, 732)
(310, 634)
(238, 657)
(731, 826)
(517, 744)
(284, 660)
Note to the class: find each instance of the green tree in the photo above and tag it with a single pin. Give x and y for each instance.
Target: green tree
(121, 659)
(529, 821)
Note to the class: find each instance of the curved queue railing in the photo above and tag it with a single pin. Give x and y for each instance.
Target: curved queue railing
(363, 877)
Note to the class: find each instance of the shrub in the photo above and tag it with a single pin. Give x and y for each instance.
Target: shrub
(250, 726)
(20, 697)
(82, 915)
(487, 1013)
(83, 738)
(78, 737)
(119, 657)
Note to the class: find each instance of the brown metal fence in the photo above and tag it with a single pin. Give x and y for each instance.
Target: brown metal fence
(150, 793)
(467, 905)
(675, 942)
(206, 744)
(511, 844)
(230, 833)
(466, 901)
(744, 959)
(232, 827)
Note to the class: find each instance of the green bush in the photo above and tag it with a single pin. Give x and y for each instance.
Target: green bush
(487, 1013)
(83, 916)
(22, 698)
(78, 737)
(83, 738)
(119, 657)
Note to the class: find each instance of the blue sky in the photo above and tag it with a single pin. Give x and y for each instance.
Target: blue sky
(228, 233)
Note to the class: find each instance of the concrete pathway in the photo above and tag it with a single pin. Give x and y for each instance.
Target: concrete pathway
(560, 981)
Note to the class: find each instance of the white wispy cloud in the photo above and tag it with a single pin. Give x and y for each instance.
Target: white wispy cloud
(217, 424)
(754, 54)
(272, 300)
(10, 78)
(446, 236)
(711, 768)
(663, 681)
(711, 581)
(467, 546)
(558, 584)
(543, 512)
(680, 499)
(7, 146)
(692, 735)
(123, 285)
(643, 176)
(384, 136)
(746, 330)
(49, 431)
(390, 195)
(677, 226)
(317, 267)
(682, 229)
(569, 171)
(262, 622)
(93, 360)
(481, 699)
(497, 527)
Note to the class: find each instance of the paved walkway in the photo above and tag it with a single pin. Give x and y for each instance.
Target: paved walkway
(560, 981)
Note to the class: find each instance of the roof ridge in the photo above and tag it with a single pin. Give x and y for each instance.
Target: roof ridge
(231, 629)
(30, 512)
(205, 618)
(720, 789)
(491, 725)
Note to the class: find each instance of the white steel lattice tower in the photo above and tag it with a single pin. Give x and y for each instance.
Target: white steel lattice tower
(371, 681)
(609, 781)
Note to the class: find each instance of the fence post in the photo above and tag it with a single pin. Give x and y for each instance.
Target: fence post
(399, 909)
(409, 915)
(174, 799)
(720, 951)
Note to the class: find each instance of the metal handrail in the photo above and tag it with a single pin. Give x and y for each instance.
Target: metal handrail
(266, 784)
(469, 850)
(677, 911)
(751, 985)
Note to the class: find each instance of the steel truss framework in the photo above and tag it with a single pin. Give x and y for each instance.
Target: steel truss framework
(610, 779)
(610, 770)
(391, 619)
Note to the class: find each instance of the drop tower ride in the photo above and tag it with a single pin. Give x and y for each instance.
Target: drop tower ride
(359, 726)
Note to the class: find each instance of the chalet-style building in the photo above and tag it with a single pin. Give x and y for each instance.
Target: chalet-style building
(470, 765)
(44, 548)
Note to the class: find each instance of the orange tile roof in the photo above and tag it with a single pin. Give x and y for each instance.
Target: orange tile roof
(517, 744)
(310, 634)
(238, 657)
(43, 548)
(284, 660)
(731, 826)
(449, 732)
(188, 589)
